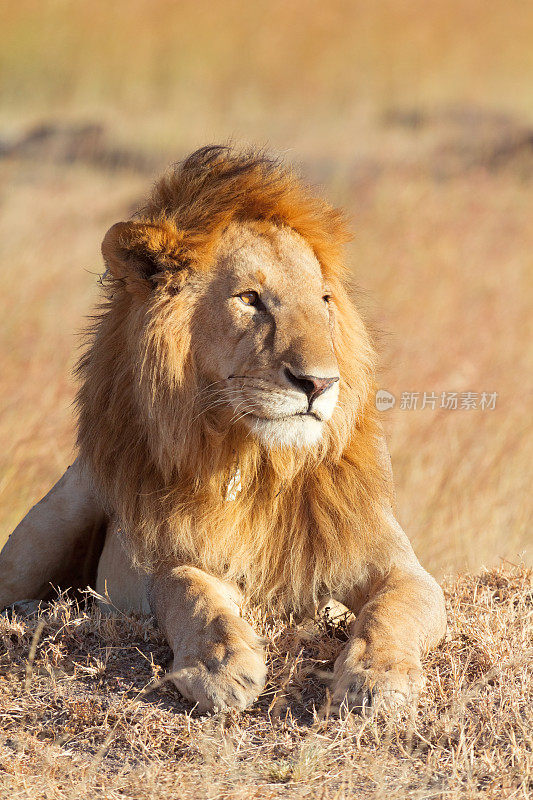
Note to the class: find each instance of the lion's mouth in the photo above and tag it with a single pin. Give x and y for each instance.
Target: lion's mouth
(286, 417)
(300, 430)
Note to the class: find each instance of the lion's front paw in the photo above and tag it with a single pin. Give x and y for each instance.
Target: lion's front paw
(367, 687)
(226, 668)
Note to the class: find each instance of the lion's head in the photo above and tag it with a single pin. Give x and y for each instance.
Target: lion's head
(263, 335)
(228, 342)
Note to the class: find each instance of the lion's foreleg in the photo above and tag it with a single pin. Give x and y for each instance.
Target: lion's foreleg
(399, 620)
(218, 658)
(52, 542)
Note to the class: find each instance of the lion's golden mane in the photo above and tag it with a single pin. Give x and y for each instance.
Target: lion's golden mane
(304, 522)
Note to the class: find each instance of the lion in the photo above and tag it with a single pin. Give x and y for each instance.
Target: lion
(230, 451)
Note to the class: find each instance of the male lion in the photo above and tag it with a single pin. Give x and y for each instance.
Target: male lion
(229, 442)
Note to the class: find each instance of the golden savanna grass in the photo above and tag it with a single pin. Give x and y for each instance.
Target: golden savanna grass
(417, 119)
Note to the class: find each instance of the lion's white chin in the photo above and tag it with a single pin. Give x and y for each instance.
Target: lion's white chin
(299, 431)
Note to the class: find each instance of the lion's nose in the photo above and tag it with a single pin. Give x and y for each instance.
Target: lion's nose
(310, 384)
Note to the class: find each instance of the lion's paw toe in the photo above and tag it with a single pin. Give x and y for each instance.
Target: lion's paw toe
(370, 689)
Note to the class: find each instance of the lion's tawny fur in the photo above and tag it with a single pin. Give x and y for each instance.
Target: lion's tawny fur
(305, 523)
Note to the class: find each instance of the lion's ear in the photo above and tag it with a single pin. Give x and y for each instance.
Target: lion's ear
(137, 251)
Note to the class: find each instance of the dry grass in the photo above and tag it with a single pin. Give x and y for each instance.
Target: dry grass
(84, 712)
(417, 118)
(302, 74)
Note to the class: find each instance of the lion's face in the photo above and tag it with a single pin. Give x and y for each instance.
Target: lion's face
(262, 332)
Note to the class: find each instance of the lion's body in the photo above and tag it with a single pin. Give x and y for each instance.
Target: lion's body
(228, 431)
(168, 485)
(126, 586)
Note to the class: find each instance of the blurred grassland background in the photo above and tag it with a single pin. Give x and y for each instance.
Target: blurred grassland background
(416, 117)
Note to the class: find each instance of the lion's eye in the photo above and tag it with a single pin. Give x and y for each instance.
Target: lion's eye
(326, 298)
(249, 298)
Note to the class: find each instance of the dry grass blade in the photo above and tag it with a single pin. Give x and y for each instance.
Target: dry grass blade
(31, 655)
